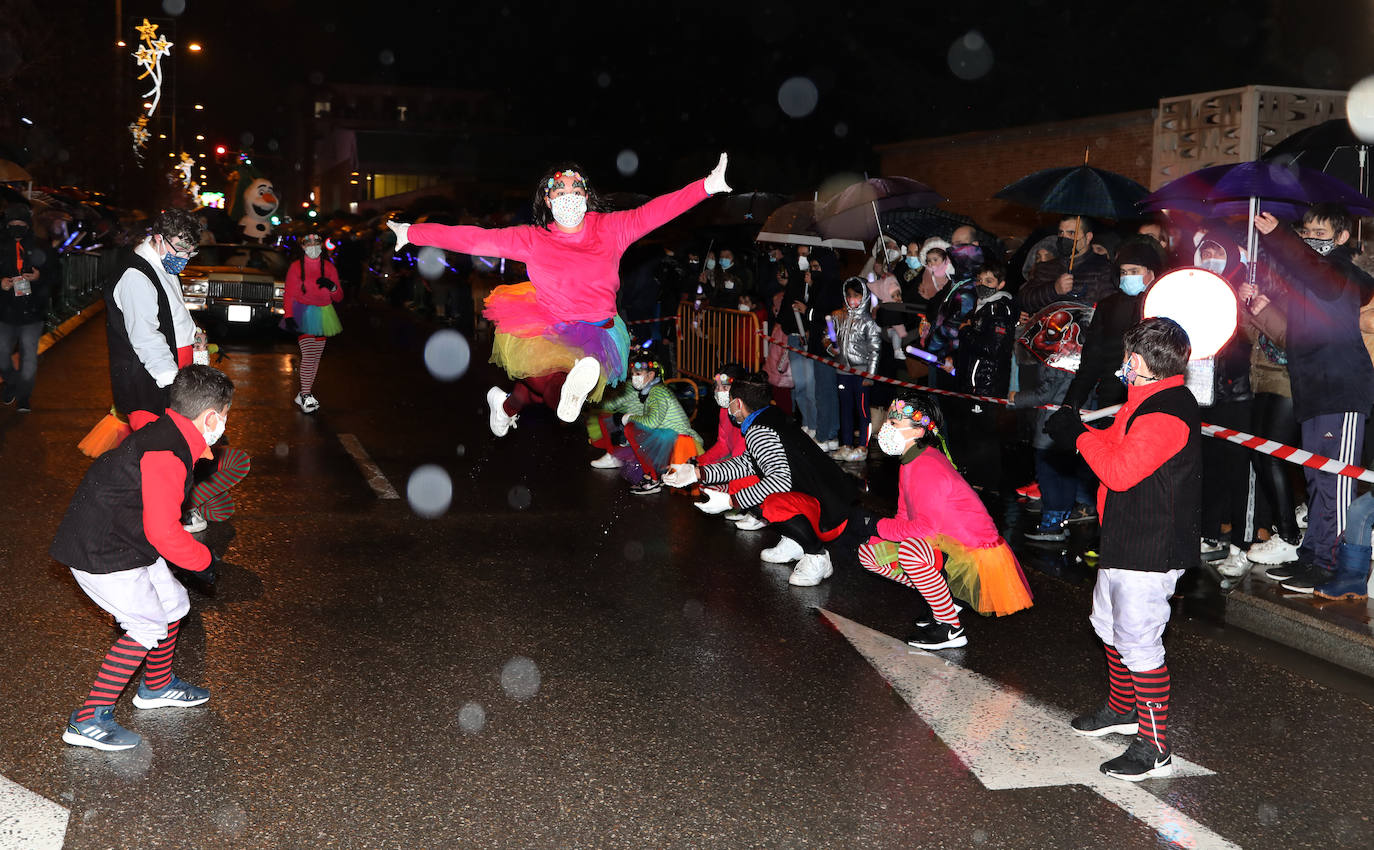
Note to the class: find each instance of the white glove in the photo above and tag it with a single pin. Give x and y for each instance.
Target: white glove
(715, 181)
(717, 502)
(400, 230)
(624, 419)
(680, 475)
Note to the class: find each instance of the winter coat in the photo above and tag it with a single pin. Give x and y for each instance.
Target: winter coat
(1048, 388)
(17, 257)
(1093, 280)
(984, 361)
(859, 339)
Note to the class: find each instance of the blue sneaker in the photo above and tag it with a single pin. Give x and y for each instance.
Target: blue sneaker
(177, 694)
(100, 732)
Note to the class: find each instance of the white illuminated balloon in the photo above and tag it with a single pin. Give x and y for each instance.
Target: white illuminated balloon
(1201, 302)
(1359, 109)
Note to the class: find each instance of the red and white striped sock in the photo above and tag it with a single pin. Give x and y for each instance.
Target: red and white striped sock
(158, 671)
(312, 347)
(921, 563)
(1152, 705)
(119, 666)
(1120, 686)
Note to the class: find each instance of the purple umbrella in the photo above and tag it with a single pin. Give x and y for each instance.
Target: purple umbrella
(1284, 190)
(853, 212)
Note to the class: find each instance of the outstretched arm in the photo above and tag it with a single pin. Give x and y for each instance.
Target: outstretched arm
(513, 243)
(633, 224)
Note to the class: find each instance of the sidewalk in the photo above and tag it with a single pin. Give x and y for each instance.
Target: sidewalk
(1339, 631)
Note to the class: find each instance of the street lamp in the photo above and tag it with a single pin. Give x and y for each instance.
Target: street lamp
(194, 47)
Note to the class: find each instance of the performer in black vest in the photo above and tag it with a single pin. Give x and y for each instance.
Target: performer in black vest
(1150, 464)
(119, 535)
(800, 489)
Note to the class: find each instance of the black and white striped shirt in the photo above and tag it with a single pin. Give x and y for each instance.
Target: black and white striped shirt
(763, 456)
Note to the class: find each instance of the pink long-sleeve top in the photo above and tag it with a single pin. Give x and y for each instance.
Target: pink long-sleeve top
(933, 498)
(302, 286)
(575, 275)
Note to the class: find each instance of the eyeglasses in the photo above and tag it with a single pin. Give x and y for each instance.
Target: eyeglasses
(180, 252)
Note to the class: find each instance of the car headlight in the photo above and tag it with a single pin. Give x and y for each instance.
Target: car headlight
(279, 291)
(195, 287)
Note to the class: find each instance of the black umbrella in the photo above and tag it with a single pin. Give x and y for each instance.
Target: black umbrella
(1330, 147)
(795, 224)
(736, 209)
(854, 212)
(1081, 190)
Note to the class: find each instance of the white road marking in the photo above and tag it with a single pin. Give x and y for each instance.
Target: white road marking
(371, 471)
(29, 821)
(1012, 741)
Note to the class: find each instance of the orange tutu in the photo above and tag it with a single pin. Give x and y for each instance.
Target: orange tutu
(988, 578)
(107, 433)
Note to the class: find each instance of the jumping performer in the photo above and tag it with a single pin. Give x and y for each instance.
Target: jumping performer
(119, 535)
(940, 522)
(558, 335)
(312, 290)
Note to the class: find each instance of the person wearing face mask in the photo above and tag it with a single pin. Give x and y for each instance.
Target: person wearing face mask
(23, 306)
(312, 290)
(1332, 376)
(119, 536)
(984, 361)
(150, 335)
(729, 281)
(643, 429)
(558, 336)
(941, 524)
(885, 250)
(800, 491)
(858, 344)
(1078, 273)
(965, 252)
(730, 443)
(1149, 461)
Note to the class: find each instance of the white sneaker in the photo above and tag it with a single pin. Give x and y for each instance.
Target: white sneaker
(787, 551)
(500, 422)
(580, 381)
(1301, 515)
(810, 432)
(858, 453)
(1234, 565)
(607, 461)
(830, 445)
(733, 515)
(197, 522)
(307, 402)
(749, 522)
(1275, 550)
(811, 570)
(841, 454)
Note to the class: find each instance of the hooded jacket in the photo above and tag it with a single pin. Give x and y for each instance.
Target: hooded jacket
(859, 339)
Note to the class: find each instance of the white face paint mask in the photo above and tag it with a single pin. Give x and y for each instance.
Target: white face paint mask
(313, 251)
(890, 440)
(722, 398)
(215, 433)
(569, 209)
(639, 382)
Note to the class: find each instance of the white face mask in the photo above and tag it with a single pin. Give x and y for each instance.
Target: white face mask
(212, 436)
(890, 440)
(639, 382)
(893, 254)
(1215, 265)
(722, 398)
(313, 251)
(803, 263)
(569, 209)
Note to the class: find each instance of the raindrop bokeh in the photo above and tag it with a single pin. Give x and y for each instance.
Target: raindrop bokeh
(246, 139)
(969, 56)
(429, 491)
(603, 80)
(841, 130)
(1359, 109)
(231, 819)
(447, 355)
(798, 97)
(430, 262)
(634, 551)
(472, 718)
(174, 7)
(386, 57)
(627, 163)
(520, 678)
(282, 450)
(1268, 814)
(519, 497)
(462, 450)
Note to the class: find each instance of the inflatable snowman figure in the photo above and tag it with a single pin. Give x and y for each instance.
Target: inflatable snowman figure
(255, 200)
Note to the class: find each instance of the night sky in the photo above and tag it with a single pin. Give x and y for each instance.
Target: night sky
(683, 81)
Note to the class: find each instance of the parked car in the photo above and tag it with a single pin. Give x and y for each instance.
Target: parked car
(235, 287)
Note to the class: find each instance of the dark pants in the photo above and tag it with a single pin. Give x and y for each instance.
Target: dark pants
(853, 410)
(1272, 417)
(1339, 436)
(1057, 471)
(1226, 475)
(20, 381)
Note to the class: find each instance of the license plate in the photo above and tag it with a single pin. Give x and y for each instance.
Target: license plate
(240, 313)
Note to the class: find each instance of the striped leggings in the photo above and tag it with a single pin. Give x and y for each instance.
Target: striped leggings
(211, 496)
(918, 567)
(312, 348)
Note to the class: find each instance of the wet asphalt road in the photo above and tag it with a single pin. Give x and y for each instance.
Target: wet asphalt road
(556, 663)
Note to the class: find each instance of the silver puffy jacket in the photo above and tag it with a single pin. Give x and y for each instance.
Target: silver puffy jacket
(859, 339)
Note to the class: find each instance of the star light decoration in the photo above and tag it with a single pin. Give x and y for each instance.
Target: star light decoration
(185, 168)
(148, 57)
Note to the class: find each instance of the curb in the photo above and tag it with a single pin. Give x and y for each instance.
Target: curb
(52, 337)
(1305, 633)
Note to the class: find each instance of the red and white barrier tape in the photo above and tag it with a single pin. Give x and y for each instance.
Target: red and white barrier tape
(1249, 441)
(647, 321)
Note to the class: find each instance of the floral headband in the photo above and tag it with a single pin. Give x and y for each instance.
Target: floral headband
(579, 182)
(901, 409)
(644, 366)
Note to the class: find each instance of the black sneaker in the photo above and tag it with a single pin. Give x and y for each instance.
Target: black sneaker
(1304, 582)
(1082, 513)
(1048, 533)
(646, 486)
(937, 635)
(7, 394)
(1284, 572)
(1104, 721)
(1140, 761)
(1214, 550)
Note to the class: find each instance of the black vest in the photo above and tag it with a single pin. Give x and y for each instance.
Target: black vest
(133, 388)
(102, 531)
(1156, 525)
(813, 471)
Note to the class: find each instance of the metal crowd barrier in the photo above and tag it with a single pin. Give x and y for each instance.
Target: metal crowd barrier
(711, 336)
(80, 275)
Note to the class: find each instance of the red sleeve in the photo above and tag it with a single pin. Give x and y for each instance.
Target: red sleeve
(164, 480)
(293, 285)
(929, 490)
(720, 450)
(513, 243)
(630, 225)
(1151, 440)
